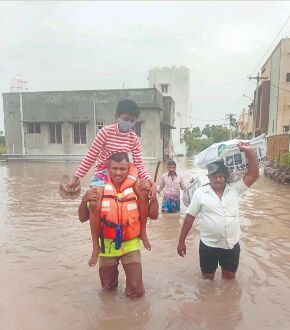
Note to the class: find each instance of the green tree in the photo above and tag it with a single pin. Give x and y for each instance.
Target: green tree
(207, 130)
(233, 124)
(285, 159)
(216, 133)
(194, 141)
(188, 134)
(220, 133)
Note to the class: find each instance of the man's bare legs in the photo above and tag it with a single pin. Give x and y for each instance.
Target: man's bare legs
(208, 276)
(225, 275)
(228, 275)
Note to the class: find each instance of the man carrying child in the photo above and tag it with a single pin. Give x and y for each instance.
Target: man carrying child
(118, 137)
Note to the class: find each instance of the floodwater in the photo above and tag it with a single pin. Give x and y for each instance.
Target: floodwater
(45, 282)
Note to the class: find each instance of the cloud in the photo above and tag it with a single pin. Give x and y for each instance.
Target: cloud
(91, 45)
(233, 38)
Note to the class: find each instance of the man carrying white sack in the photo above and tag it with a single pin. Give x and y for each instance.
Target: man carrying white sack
(217, 206)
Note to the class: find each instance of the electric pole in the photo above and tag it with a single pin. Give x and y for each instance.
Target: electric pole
(258, 78)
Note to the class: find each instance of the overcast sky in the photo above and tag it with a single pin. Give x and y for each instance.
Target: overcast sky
(101, 45)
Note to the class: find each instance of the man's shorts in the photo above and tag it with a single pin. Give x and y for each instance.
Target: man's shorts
(131, 261)
(210, 258)
(99, 179)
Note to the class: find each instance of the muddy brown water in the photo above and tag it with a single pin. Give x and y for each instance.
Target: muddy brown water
(45, 282)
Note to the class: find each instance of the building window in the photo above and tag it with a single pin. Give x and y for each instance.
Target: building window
(288, 77)
(99, 125)
(286, 128)
(80, 133)
(33, 128)
(137, 128)
(164, 88)
(55, 134)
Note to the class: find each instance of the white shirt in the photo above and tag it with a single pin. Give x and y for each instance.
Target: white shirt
(218, 218)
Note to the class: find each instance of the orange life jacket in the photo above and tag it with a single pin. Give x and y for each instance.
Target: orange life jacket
(119, 209)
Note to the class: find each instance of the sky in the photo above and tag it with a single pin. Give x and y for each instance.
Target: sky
(63, 45)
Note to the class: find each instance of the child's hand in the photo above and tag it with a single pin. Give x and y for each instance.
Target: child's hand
(73, 183)
(152, 191)
(144, 185)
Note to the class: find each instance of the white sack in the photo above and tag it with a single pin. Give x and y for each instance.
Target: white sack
(229, 152)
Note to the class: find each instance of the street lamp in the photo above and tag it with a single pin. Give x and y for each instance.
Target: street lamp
(248, 97)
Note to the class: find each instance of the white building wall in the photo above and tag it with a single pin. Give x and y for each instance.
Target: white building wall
(177, 80)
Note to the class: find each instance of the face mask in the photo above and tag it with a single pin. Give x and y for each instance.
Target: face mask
(125, 125)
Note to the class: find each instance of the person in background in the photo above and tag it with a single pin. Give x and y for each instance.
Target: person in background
(171, 183)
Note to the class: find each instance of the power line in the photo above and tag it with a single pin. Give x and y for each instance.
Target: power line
(248, 85)
(282, 89)
(253, 71)
(246, 89)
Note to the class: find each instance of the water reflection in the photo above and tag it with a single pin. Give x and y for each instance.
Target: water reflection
(45, 282)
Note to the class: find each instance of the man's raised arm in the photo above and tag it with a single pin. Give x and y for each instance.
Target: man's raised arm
(253, 168)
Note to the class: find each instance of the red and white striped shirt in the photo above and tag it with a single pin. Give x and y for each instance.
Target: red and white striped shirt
(107, 142)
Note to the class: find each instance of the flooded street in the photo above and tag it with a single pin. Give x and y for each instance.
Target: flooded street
(45, 282)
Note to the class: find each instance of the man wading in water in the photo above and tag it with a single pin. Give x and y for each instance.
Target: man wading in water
(217, 207)
(120, 227)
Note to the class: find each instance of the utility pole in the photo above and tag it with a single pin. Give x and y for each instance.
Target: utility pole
(258, 78)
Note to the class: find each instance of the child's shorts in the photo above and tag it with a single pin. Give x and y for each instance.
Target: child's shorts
(100, 179)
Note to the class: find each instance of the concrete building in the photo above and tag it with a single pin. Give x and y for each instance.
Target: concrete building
(277, 88)
(263, 108)
(64, 123)
(175, 82)
(262, 113)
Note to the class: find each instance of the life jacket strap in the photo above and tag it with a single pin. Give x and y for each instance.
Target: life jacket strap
(117, 241)
(103, 250)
